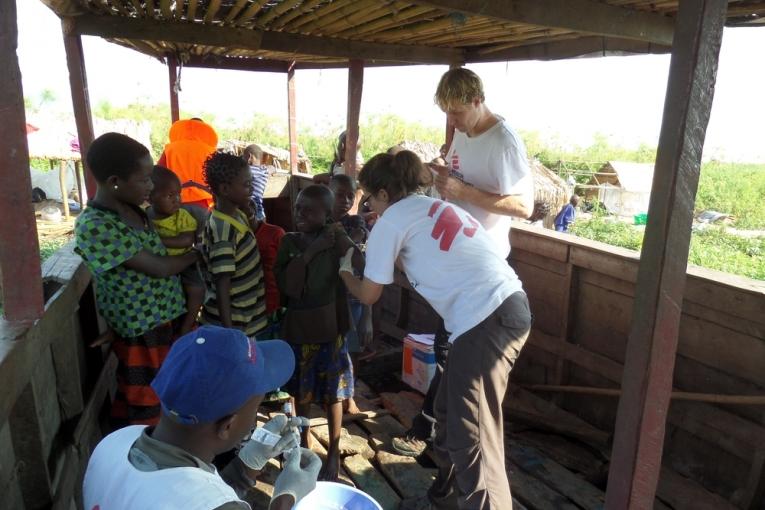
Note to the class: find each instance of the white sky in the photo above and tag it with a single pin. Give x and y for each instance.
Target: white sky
(569, 101)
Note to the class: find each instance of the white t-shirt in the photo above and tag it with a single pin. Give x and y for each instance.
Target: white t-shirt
(449, 258)
(113, 483)
(494, 161)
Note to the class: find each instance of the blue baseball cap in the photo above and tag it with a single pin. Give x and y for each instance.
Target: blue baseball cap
(212, 371)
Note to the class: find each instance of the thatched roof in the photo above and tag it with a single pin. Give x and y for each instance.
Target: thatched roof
(548, 186)
(273, 156)
(263, 34)
(632, 177)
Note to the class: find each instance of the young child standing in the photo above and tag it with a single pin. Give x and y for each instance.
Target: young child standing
(344, 189)
(253, 155)
(317, 313)
(179, 226)
(233, 269)
(137, 292)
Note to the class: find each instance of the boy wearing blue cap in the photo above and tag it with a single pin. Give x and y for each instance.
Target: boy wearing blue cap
(209, 386)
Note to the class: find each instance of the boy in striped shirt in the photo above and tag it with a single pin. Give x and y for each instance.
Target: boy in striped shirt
(234, 272)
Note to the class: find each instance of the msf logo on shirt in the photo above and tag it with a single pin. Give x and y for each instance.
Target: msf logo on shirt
(449, 225)
(454, 169)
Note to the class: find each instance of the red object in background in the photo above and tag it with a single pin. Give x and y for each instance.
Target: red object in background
(31, 128)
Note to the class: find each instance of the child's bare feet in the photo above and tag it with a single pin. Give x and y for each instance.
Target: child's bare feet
(329, 471)
(350, 407)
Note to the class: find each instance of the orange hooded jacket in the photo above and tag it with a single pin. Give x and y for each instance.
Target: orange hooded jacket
(191, 142)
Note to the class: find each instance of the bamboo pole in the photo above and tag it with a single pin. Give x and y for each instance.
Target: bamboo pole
(395, 19)
(349, 8)
(212, 10)
(277, 10)
(359, 18)
(711, 398)
(318, 13)
(64, 191)
(191, 10)
(251, 11)
(391, 27)
(419, 30)
(164, 7)
(299, 11)
(235, 10)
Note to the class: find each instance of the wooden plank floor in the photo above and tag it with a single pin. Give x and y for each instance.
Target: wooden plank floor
(553, 477)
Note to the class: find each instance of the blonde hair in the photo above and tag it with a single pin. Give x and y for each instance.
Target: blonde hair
(458, 86)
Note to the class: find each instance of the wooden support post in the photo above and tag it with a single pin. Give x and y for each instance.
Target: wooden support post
(19, 249)
(78, 179)
(172, 69)
(355, 87)
(62, 168)
(78, 83)
(292, 118)
(652, 344)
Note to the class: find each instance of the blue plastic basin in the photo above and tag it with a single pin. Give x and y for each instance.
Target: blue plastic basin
(336, 496)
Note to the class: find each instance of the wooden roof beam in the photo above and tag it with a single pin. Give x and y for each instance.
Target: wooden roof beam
(118, 27)
(271, 65)
(578, 15)
(565, 49)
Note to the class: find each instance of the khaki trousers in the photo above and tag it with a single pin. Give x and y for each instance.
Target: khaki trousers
(469, 443)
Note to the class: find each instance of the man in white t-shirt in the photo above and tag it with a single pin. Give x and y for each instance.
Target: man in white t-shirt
(488, 175)
(210, 386)
(487, 171)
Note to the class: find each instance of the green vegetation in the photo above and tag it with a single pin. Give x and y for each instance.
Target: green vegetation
(737, 189)
(49, 246)
(713, 248)
(734, 188)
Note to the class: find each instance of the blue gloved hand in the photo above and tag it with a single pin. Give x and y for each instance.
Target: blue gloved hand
(299, 475)
(255, 454)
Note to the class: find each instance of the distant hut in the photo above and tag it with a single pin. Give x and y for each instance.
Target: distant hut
(273, 156)
(624, 188)
(427, 151)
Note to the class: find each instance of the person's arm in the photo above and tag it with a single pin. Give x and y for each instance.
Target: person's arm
(223, 297)
(519, 206)
(342, 244)
(182, 240)
(366, 291)
(160, 266)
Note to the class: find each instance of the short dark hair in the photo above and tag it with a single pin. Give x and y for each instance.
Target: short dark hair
(221, 167)
(320, 193)
(161, 177)
(398, 175)
(114, 154)
(341, 180)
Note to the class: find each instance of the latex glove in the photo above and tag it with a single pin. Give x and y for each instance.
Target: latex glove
(299, 475)
(255, 454)
(346, 262)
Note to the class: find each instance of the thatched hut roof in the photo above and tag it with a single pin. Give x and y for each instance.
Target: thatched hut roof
(273, 156)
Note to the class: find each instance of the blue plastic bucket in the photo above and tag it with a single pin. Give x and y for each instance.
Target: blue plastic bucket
(336, 496)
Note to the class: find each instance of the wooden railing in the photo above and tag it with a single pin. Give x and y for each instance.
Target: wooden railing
(53, 391)
(581, 294)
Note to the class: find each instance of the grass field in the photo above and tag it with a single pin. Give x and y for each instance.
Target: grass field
(713, 248)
